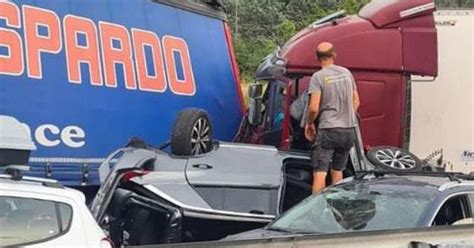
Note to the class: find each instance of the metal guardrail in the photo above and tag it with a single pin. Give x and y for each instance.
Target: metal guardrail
(70, 171)
(461, 236)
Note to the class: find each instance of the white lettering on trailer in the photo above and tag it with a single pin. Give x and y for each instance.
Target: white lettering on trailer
(417, 9)
(71, 136)
(99, 53)
(40, 135)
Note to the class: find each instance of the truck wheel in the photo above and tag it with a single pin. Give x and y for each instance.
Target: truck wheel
(192, 133)
(394, 159)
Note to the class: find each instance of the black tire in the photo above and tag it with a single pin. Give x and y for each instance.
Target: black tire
(390, 158)
(192, 133)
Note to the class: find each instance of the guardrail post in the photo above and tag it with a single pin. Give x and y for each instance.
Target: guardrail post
(49, 170)
(85, 174)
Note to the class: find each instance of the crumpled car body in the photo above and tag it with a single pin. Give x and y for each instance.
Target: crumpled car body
(148, 196)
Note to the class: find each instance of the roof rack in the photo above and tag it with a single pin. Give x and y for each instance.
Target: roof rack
(15, 173)
(452, 176)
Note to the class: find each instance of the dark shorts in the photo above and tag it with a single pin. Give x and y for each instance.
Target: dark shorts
(331, 148)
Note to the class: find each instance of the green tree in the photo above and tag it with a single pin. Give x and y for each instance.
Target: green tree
(353, 6)
(455, 3)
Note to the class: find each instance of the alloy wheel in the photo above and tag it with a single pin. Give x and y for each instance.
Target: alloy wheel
(200, 138)
(395, 159)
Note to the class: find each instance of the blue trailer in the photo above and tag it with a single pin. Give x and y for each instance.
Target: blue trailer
(88, 75)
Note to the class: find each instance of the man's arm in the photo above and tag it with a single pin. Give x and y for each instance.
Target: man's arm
(313, 109)
(355, 100)
(355, 93)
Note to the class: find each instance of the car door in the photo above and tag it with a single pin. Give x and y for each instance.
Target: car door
(112, 170)
(238, 178)
(456, 209)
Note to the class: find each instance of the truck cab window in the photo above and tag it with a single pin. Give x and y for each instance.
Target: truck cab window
(274, 105)
(274, 99)
(279, 110)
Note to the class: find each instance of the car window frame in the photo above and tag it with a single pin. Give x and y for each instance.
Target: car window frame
(62, 232)
(199, 212)
(466, 203)
(470, 202)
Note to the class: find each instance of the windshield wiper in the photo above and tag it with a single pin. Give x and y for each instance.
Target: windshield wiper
(284, 230)
(329, 18)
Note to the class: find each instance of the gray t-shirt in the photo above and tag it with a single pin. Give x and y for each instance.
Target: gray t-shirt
(336, 85)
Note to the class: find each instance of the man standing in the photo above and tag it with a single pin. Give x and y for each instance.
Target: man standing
(333, 103)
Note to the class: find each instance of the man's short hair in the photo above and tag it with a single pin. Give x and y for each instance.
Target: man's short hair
(325, 54)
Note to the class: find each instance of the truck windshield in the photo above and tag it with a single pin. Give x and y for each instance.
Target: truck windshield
(351, 208)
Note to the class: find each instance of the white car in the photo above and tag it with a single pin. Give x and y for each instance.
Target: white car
(37, 212)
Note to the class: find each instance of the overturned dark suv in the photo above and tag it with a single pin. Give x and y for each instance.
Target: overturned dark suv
(150, 196)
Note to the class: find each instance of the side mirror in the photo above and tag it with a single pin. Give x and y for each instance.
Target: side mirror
(255, 104)
(255, 91)
(255, 111)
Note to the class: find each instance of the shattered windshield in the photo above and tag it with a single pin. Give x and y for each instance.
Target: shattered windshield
(349, 208)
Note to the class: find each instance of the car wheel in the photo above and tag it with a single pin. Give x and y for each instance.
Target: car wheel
(192, 133)
(394, 159)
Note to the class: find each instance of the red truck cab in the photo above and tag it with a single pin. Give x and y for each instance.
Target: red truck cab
(383, 46)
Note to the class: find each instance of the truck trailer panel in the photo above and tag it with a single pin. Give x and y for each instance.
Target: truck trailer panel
(86, 76)
(443, 109)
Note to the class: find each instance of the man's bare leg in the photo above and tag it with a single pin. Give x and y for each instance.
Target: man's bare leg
(319, 181)
(336, 176)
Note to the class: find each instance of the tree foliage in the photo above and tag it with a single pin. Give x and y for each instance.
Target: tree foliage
(455, 3)
(259, 26)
